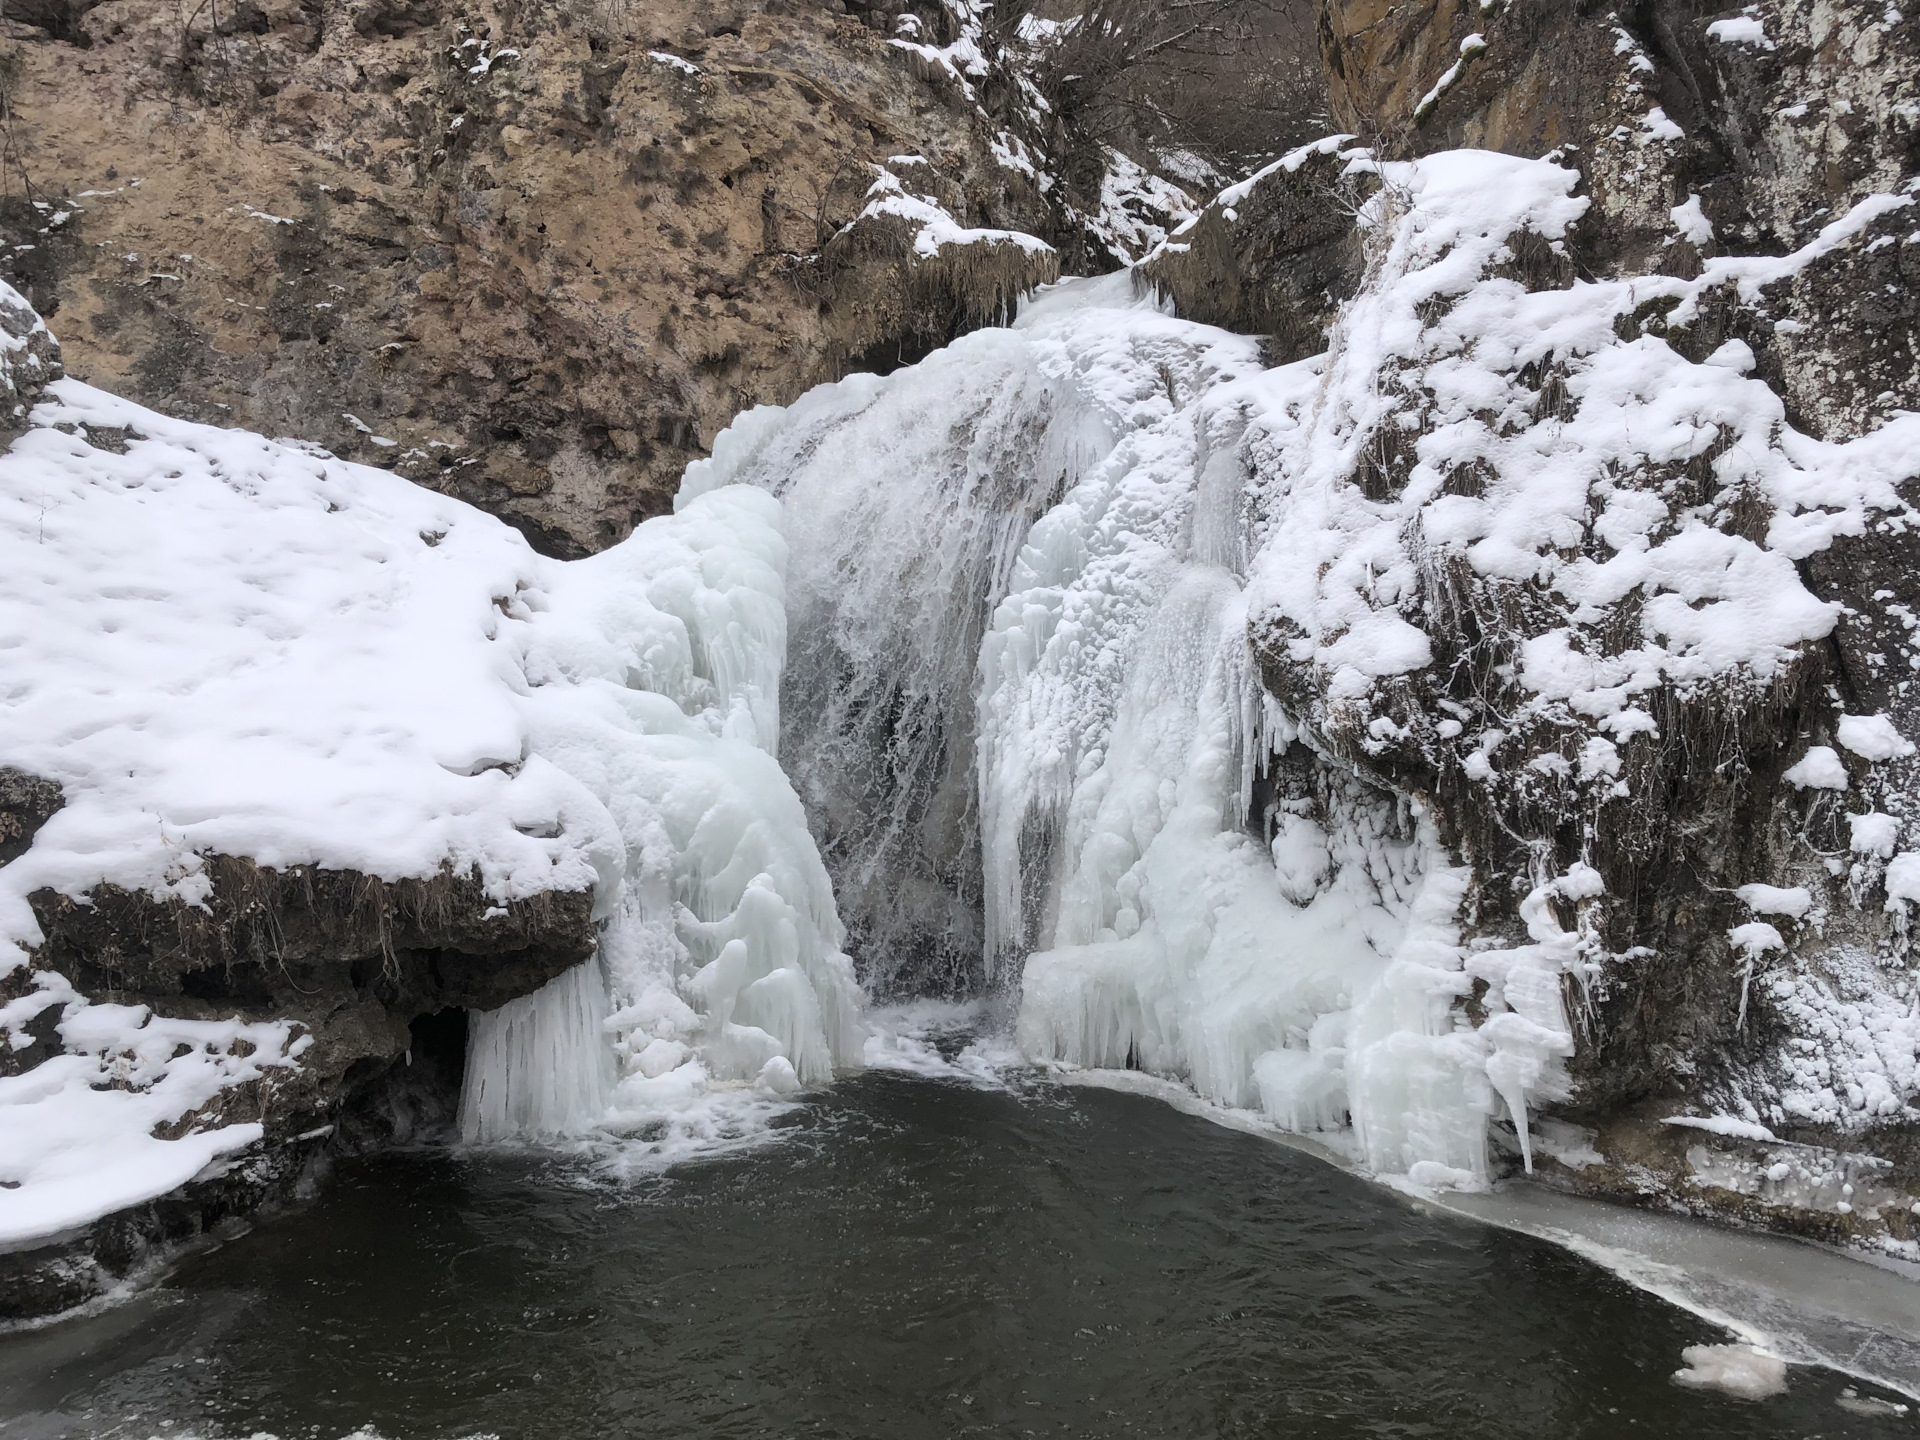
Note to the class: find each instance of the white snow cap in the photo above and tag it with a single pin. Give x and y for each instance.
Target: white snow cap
(1772, 900)
(1691, 221)
(934, 228)
(1819, 769)
(1742, 29)
(1872, 737)
(1874, 834)
(1728, 1125)
(1903, 879)
(1755, 938)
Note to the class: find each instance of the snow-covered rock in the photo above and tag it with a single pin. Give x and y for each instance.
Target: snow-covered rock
(297, 751)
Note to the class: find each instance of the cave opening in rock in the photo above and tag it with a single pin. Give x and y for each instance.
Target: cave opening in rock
(414, 1097)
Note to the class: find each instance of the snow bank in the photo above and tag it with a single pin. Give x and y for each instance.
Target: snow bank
(217, 643)
(934, 229)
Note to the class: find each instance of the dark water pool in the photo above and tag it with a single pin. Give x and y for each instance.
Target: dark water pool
(917, 1258)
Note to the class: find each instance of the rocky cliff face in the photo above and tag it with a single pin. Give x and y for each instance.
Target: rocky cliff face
(1724, 840)
(533, 256)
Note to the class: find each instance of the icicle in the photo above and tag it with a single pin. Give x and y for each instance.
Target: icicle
(539, 1067)
(655, 670)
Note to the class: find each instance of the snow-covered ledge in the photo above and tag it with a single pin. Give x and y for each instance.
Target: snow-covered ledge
(296, 750)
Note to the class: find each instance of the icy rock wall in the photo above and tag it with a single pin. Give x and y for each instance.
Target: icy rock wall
(1531, 548)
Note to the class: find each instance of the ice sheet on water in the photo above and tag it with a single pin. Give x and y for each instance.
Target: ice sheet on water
(1737, 1369)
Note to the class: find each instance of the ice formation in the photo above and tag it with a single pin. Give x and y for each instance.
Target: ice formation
(1034, 560)
(1023, 705)
(1021, 561)
(1737, 1369)
(218, 643)
(906, 502)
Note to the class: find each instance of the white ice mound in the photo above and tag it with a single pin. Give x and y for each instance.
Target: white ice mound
(656, 675)
(1737, 1369)
(218, 643)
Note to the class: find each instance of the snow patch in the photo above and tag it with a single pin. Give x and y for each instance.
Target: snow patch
(1793, 902)
(1819, 769)
(1722, 1125)
(1873, 737)
(1742, 29)
(934, 228)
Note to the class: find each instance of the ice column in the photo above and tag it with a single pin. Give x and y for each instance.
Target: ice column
(652, 677)
(539, 1067)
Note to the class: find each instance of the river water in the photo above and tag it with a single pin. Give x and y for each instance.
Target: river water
(906, 1257)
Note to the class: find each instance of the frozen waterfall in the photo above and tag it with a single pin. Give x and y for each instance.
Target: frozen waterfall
(652, 678)
(1022, 712)
(1024, 715)
(539, 1065)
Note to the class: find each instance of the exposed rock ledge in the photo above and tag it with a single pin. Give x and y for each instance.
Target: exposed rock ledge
(535, 257)
(375, 978)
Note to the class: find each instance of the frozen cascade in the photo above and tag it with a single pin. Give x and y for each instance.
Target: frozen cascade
(1033, 740)
(1149, 816)
(653, 675)
(539, 1065)
(906, 501)
(1022, 691)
